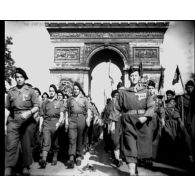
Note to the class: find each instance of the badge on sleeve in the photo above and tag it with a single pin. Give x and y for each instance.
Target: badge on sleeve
(141, 96)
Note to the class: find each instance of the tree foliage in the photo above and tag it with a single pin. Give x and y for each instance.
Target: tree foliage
(9, 62)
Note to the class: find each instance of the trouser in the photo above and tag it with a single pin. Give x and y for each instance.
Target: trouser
(76, 135)
(50, 136)
(107, 138)
(19, 135)
(88, 135)
(137, 139)
(115, 137)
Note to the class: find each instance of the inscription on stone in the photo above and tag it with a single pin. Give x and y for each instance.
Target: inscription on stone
(71, 54)
(143, 54)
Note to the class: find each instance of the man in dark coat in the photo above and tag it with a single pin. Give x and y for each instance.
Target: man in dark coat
(137, 108)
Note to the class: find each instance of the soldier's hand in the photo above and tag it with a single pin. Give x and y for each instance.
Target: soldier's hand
(182, 126)
(88, 121)
(57, 125)
(5, 129)
(112, 127)
(142, 119)
(26, 114)
(40, 129)
(66, 127)
(163, 122)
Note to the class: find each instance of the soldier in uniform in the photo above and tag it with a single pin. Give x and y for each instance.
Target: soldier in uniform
(116, 134)
(45, 96)
(106, 132)
(137, 107)
(175, 131)
(156, 122)
(184, 100)
(79, 114)
(51, 117)
(21, 104)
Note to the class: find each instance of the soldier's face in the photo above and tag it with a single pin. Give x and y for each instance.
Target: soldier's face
(76, 91)
(52, 92)
(189, 89)
(134, 77)
(151, 90)
(60, 97)
(169, 96)
(44, 97)
(37, 93)
(19, 79)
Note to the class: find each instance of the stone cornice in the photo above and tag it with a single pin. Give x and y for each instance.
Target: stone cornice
(107, 24)
(79, 68)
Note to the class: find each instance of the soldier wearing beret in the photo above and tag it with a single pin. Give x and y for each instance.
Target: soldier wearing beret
(137, 107)
(21, 104)
(79, 115)
(51, 117)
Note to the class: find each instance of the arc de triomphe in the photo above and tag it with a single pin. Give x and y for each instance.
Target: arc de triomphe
(79, 46)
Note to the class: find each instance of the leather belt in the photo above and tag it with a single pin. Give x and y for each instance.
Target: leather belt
(51, 118)
(141, 111)
(17, 112)
(76, 115)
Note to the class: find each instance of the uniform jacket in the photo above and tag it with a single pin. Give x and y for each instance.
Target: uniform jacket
(21, 99)
(51, 109)
(79, 106)
(128, 99)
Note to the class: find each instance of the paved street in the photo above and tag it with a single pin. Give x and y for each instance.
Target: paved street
(99, 163)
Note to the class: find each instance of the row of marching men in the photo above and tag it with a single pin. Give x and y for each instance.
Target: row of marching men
(141, 126)
(136, 123)
(26, 112)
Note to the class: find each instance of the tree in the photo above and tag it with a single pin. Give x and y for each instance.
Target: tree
(9, 62)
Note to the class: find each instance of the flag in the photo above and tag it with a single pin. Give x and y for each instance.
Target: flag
(140, 69)
(111, 79)
(176, 76)
(161, 80)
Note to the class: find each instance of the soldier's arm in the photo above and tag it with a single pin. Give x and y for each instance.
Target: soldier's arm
(7, 112)
(88, 108)
(36, 103)
(150, 107)
(116, 108)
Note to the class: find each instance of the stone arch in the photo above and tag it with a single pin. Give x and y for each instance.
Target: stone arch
(104, 54)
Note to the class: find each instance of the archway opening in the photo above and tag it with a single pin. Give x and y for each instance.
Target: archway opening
(106, 70)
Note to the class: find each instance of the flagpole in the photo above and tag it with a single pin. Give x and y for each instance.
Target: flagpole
(182, 105)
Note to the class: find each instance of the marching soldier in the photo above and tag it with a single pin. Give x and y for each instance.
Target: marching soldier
(184, 100)
(116, 134)
(21, 104)
(106, 133)
(79, 114)
(51, 117)
(156, 122)
(137, 107)
(174, 128)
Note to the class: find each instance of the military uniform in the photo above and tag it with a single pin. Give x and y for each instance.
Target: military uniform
(137, 137)
(173, 132)
(19, 130)
(77, 111)
(50, 111)
(106, 134)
